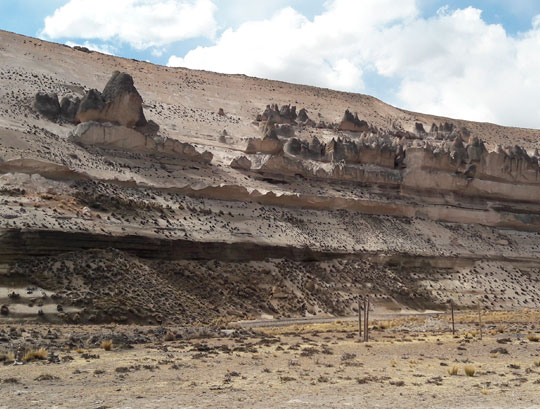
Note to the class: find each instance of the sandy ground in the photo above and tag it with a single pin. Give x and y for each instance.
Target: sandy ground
(404, 365)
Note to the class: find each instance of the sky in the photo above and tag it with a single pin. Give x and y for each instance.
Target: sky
(469, 59)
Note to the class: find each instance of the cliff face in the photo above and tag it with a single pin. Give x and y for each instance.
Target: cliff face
(187, 178)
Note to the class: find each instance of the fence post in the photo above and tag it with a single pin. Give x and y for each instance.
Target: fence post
(359, 320)
(453, 322)
(480, 319)
(366, 319)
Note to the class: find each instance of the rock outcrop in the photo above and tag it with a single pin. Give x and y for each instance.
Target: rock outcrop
(242, 163)
(352, 123)
(270, 144)
(47, 105)
(117, 137)
(69, 106)
(119, 103)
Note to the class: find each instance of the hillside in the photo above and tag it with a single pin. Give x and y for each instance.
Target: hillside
(223, 206)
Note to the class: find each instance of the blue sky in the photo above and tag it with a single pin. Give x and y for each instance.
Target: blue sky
(471, 59)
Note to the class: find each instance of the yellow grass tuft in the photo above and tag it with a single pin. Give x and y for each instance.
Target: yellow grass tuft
(107, 345)
(469, 370)
(35, 354)
(453, 371)
(533, 338)
(7, 356)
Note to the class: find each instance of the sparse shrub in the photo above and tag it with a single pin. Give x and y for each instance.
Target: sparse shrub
(35, 354)
(469, 370)
(536, 363)
(533, 338)
(453, 371)
(347, 356)
(169, 336)
(107, 345)
(79, 350)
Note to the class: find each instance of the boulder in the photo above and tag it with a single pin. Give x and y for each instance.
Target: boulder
(69, 106)
(47, 105)
(119, 103)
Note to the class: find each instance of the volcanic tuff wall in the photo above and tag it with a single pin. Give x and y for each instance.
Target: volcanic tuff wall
(207, 173)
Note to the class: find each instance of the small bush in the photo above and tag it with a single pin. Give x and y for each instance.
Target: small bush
(107, 345)
(35, 354)
(169, 336)
(469, 370)
(453, 371)
(533, 338)
(536, 363)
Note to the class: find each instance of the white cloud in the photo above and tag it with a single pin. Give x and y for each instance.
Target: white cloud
(453, 63)
(288, 46)
(103, 48)
(141, 23)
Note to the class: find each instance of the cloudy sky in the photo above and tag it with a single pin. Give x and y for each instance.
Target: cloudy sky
(472, 59)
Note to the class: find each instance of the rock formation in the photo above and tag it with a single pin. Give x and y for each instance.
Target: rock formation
(69, 106)
(47, 105)
(241, 163)
(111, 136)
(352, 123)
(270, 144)
(119, 103)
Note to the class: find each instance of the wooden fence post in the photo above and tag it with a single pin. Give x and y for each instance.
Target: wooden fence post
(366, 319)
(359, 320)
(453, 322)
(480, 319)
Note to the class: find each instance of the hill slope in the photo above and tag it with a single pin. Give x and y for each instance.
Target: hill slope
(234, 209)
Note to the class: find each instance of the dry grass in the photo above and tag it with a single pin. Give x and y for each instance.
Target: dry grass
(35, 354)
(453, 371)
(7, 356)
(498, 317)
(533, 338)
(469, 370)
(536, 363)
(107, 345)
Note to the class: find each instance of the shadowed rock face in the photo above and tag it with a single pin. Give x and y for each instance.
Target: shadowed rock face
(119, 103)
(47, 105)
(69, 107)
(352, 123)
